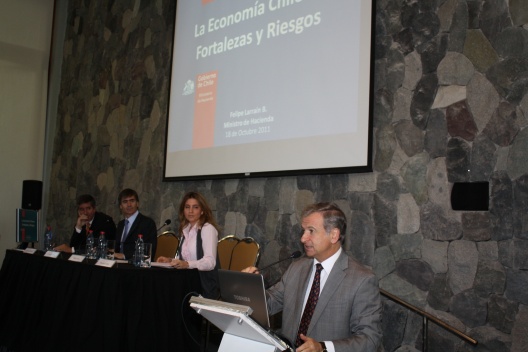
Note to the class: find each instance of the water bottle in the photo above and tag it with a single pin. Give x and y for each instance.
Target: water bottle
(102, 245)
(48, 246)
(140, 248)
(90, 245)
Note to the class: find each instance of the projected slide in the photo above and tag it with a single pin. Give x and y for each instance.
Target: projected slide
(268, 86)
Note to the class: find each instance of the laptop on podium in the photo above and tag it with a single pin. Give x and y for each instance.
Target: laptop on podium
(245, 289)
(249, 290)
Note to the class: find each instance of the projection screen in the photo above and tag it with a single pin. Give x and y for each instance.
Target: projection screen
(274, 87)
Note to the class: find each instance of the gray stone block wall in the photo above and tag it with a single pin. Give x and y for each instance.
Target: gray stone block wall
(450, 105)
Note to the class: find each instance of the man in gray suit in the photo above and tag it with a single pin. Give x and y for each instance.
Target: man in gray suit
(346, 314)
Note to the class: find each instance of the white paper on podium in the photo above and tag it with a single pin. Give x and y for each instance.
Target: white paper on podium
(240, 331)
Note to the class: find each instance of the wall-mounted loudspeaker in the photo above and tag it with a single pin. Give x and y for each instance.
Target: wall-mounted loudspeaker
(470, 196)
(31, 194)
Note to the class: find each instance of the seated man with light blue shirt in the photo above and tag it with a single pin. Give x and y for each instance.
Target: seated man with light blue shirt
(132, 225)
(329, 301)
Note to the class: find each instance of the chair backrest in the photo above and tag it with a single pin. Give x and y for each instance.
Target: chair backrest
(225, 248)
(167, 246)
(245, 253)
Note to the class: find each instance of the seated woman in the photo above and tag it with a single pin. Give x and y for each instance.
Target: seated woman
(198, 244)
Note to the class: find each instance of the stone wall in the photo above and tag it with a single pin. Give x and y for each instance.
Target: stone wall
(451, 104)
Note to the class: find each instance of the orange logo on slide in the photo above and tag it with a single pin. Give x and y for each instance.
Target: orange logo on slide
(205, 2)
(204, 110)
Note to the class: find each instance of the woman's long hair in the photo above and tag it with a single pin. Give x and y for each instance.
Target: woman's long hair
(206, 217)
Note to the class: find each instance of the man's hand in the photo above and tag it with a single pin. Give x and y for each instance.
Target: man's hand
(251, 270)
(63, 248)
(309, 345)
(81, 221)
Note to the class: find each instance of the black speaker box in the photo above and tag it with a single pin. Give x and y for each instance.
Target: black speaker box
(31, 194)
(470, 196)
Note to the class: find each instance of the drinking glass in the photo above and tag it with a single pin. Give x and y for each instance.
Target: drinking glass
(110, 249)
(147, 255)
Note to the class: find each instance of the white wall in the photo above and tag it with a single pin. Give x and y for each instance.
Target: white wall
(25, 38)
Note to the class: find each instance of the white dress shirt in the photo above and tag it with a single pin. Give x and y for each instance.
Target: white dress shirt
(328, 264)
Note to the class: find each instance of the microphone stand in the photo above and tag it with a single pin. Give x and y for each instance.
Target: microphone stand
(294, 255)
(167, 222)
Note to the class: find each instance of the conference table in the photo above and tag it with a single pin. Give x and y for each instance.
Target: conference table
(53, 304)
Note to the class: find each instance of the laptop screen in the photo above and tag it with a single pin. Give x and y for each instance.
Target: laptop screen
(245, 289)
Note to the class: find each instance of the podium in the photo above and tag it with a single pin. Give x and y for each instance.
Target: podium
(241, 333)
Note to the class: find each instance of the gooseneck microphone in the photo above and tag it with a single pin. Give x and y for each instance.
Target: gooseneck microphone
(294, 255)
(167, 222)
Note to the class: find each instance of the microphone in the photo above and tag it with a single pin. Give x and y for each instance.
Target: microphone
(167, 222)
(294, 255)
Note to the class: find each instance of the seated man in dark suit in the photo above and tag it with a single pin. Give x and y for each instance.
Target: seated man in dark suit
(132, 225)
(88, 219)
(329, 302)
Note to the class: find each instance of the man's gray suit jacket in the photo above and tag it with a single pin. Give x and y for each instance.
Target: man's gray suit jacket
(348, 311)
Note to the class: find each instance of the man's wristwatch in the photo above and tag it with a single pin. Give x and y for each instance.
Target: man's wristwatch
(323, 346)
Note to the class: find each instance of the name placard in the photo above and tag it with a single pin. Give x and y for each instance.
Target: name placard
(105, 262)
(51, 254)
(30, 250)
(76, 258)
